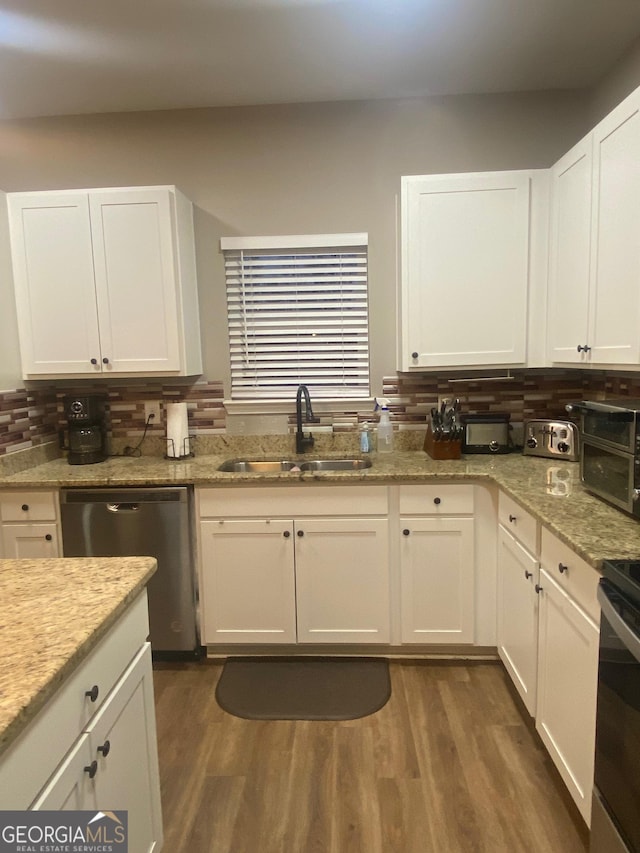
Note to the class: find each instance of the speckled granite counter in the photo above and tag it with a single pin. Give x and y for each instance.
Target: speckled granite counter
(52, 615)
(549, 490)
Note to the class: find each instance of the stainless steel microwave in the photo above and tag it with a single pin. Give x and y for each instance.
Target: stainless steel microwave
(610, 451)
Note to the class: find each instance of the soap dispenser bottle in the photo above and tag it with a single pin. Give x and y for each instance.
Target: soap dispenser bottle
(365, 438)
(385, 428)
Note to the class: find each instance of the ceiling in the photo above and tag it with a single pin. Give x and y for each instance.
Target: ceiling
(87, 56)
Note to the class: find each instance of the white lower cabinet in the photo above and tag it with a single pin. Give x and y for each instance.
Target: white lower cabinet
(567, 689)
(548, 638)
(30, 541)
(121, 740)
(93, 746)
(437, 564)
(342, 580)
(249, 591)
(294, 565)
(437, 579)
(517, 611)
(30, 527)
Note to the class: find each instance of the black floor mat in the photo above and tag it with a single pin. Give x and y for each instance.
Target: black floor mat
(308, 688)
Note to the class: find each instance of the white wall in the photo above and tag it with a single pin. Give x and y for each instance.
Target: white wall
(621, 80)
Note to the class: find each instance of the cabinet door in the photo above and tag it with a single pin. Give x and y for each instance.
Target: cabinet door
(342, 580)
(136, 280)
(30, 541)
(70, 788)
(615, 252)
(571, 183)
(123, 742)
(248, 590)
(437, 577)
(54, 283)
(125, 775)
(567, 689)
(518, 616)
(465, 267)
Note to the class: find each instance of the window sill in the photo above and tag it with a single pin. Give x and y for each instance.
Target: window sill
(285, 407)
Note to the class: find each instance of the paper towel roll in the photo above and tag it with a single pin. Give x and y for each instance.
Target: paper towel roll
(177, 430)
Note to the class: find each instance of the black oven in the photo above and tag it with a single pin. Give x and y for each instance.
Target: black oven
(615, 820)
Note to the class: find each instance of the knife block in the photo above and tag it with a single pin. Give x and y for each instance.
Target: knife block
(441, 449)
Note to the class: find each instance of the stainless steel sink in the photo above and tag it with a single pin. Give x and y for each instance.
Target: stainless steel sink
(258, 466)
(354, 464)
(274, 466)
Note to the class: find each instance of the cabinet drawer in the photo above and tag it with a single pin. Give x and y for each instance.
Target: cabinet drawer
(28, 506)
(292, 502)
(30, 541)
(436, 500)
(571, 573)
(32, 759)
(521, 524)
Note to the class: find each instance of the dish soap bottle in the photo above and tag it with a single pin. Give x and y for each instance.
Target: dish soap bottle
(385, 428)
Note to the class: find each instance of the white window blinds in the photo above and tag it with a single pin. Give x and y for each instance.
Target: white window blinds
(298, 313)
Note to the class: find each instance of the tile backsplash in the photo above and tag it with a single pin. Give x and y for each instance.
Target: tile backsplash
(26, 419)
(30, 417)
(525, 394)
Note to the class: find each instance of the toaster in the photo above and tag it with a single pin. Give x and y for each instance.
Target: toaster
(551, 439)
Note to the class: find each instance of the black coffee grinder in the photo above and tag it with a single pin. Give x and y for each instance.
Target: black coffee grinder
(86, 429)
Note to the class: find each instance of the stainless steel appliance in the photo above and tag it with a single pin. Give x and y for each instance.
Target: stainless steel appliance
(551, 439)
(486, 433)
(615, 818)
(153, 522)
(610, 451)
(86, 432)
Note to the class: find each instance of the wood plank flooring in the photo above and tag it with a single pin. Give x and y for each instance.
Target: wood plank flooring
(449, 765)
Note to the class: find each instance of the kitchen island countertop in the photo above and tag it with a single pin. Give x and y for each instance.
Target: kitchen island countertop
(551, 491)
(53, 613)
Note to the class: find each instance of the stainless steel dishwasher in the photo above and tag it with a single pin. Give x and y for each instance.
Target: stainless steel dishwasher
(145, 522)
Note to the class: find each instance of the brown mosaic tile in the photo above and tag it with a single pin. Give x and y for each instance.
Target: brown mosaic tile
(32, 416)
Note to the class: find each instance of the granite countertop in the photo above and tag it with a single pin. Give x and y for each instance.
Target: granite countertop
(549, 490)
(53, 614)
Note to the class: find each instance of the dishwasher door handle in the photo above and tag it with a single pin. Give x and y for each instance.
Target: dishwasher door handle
(123, 507)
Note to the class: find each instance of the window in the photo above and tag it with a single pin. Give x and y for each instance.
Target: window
(297, 310)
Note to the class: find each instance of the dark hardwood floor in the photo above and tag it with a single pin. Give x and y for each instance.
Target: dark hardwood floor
(450, 764)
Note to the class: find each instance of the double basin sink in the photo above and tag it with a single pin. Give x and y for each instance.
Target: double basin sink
(273, 466)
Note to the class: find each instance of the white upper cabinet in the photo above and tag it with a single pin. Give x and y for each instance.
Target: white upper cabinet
(105, 282)
(570, 243)
(614, 333)
(466, 243)
(594, 286)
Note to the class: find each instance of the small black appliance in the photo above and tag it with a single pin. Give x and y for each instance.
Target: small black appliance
(486, 433)
(86, 432)
(610, 450)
